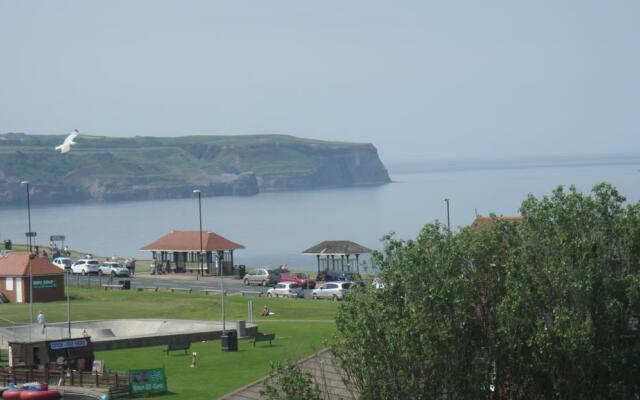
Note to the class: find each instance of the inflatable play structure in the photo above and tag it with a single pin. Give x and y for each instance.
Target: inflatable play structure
(31, 391)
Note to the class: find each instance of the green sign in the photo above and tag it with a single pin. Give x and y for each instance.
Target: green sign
(45, 284)
(147, 381)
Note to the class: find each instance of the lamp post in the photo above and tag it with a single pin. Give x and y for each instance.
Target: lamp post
(196, 191)
(448, 220)
(29, 235)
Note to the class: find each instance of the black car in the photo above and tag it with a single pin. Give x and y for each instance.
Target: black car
(331, 276)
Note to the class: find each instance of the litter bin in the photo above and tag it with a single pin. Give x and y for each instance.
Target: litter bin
(229, 341)
(126, 285)
(242, 271)
(7, 244)
(241, 328)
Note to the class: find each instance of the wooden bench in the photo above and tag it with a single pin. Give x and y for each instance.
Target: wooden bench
(177, 346)
(251, 293)
(177, 289)
(108, 286)
(192, 270)
(150, 288)
(214, 291)
(263, 337)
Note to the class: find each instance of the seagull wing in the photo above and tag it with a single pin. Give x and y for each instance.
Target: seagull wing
(69, 139)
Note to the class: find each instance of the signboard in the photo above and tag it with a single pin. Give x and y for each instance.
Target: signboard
(147, 381)
(30, 234)
(98, 366)
(45, 284)
(68, 344)
(56, 238)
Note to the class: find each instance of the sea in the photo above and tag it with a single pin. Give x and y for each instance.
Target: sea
(276, 228)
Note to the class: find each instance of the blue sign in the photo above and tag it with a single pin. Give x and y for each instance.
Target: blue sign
(68, 344)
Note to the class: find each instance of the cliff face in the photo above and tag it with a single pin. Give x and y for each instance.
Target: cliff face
(145, 168)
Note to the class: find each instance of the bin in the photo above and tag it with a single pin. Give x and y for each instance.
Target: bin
(7, 244)
(126, 285)
(241, 328)
(242, 271)
(229, 341)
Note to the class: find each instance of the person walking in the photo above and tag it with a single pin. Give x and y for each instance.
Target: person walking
(42, 321)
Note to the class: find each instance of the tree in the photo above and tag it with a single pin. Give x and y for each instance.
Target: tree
(540, 309)
(288, 382)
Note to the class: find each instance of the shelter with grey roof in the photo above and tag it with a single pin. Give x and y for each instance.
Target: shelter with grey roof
(332, 254)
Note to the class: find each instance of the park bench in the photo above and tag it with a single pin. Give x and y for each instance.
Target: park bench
(214, 291)
(251, 293)
(177, 346)
(177, 289)
(150, 288)
(263, 337)
(114, 286)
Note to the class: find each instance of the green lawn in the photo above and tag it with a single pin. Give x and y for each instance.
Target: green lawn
(301, 327)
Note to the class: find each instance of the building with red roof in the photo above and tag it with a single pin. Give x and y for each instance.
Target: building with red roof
(182, 247)
(48, 280)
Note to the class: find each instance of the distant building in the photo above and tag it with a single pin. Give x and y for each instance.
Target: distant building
(48, 280)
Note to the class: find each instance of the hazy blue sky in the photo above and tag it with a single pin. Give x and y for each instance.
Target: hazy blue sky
(419, 79)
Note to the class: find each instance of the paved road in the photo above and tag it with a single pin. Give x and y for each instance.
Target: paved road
(182, 281)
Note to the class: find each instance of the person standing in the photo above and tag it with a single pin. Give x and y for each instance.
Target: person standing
(42, 321)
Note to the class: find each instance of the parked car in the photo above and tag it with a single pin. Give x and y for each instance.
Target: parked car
(261, 276)
(113, 268)
(285, 289)
(377, 283)
(331, 276)
(300, 278)
(85, 266)
(331, 290)
(63, 263)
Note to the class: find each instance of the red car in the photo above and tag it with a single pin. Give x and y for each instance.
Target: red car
(300, 278)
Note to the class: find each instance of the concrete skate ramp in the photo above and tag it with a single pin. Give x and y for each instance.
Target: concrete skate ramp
(123, 333)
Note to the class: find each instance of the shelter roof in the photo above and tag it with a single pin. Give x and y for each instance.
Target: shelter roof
(17, 264)
(487, 221)
(337, 247)
(190, 241)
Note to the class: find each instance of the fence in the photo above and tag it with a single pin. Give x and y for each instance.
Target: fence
(110, 380)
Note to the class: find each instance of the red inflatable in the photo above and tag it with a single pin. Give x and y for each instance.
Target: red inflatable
(38, 395)
(11, 394)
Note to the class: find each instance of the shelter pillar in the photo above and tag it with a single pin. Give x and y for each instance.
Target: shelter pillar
(318, 257)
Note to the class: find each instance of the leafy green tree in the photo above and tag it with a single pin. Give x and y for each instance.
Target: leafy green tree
(545, 308)
(288, 382)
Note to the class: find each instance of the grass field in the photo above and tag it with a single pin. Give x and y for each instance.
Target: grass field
(301, 327)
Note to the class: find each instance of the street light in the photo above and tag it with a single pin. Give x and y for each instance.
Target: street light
(29, 235)
(448, 220)
(196, 191)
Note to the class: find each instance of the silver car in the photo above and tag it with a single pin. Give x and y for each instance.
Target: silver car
(286, 289)
(257, 277)
(331, 290)
(113, 269)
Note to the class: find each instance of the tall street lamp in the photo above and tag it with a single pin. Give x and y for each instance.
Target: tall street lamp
(30, 235)
(196, 191)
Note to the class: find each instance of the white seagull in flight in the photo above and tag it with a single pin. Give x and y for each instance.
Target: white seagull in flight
(68, 142)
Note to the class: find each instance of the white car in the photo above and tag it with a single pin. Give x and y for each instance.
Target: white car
(286, 289)
(331, 290)
(85, 266)
(377, 283)
(63, 263)
(113, 269)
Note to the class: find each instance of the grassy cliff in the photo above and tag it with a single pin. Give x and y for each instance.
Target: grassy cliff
(111, 169)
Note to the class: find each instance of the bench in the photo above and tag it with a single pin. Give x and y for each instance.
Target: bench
(177, 346)
(263, 337)
(150, 288)
(251, 293)
(192, 270)
(177, 289)
(215, 291)
(108, 286)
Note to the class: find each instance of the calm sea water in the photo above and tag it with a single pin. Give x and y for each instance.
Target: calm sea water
(276, 227)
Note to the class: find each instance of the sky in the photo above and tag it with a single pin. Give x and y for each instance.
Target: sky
(418, 79)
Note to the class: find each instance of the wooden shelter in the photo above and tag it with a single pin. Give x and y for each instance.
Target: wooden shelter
(337, 253)
(183, 247)
(485, 222)
(48, 280)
